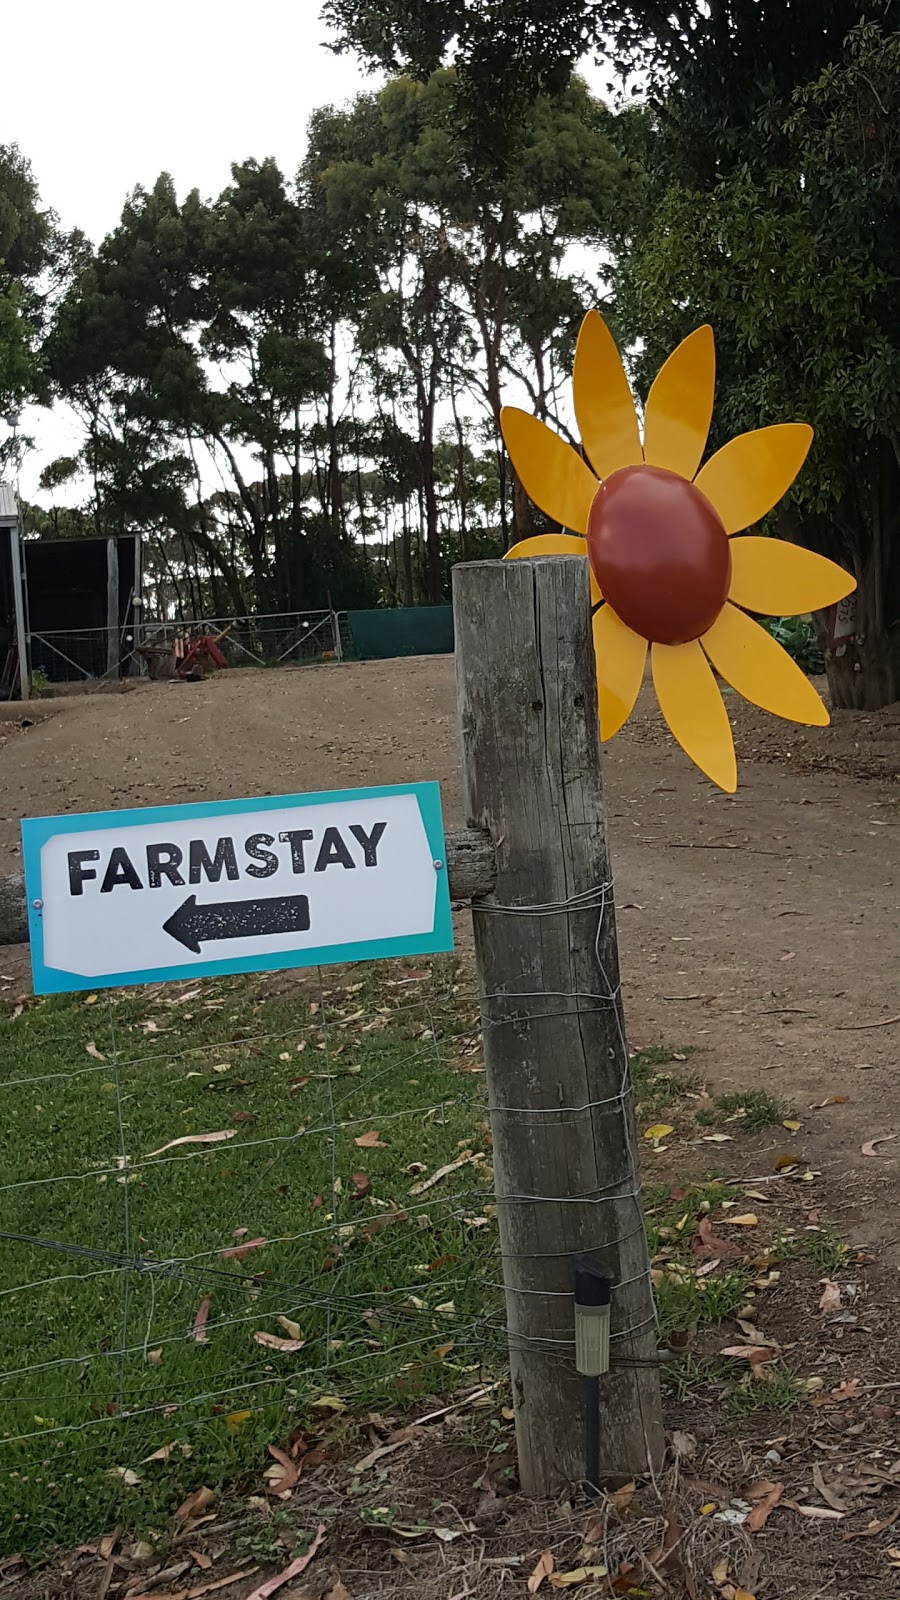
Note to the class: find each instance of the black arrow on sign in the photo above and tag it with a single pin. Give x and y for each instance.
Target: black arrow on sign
(237, 919)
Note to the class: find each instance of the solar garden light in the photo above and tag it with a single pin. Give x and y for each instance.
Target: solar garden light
(592, 1317)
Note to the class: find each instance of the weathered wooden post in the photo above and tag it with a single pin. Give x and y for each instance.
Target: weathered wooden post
(565, 1156)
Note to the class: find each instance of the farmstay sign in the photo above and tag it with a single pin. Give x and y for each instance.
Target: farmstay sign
(173, 892)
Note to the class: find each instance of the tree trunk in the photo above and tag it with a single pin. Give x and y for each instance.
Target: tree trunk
(462, 496)
(865, 677)
(407, 557)
(866, 673)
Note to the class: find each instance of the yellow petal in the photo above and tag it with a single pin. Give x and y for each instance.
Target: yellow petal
(679, 405)
(603, 402)
(552, 474)
(621, 656)
(555, 544)
(782, 580)
(693, 707)
(748, 476)
(758, 668)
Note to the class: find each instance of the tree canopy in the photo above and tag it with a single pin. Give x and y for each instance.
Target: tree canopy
(293, 388)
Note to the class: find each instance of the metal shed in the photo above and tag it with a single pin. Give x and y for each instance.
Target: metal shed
(69, 608)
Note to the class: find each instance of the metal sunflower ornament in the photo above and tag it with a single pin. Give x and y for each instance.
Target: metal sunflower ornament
(666, 571)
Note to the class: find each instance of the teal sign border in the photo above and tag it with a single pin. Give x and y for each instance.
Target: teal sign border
(52, 980)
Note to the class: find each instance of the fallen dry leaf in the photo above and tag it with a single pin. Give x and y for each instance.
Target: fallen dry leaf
(754, 1353)
(828, 1494)
(383, 1450)
(684, 1444)
(337, 1592)
(749, 1219)
(273, 1341)
(194, 1138)
(848, 1390)
(543, 1570)
(360, 1186)
(868, 1149)
(707, 1244)
(329, 1402)
(165, 1450)
(281, 1482)
(272, 1585)
(658, 1132)
(237, 1252)
(874, 1528)
(204, 1562)
(620, 1499)
(292, 1329)
(198, 1332)
(236, 1419)
(194, 1505)
(370, 1141)
(817, 1513)
(570, 1580)
(831, 1295)
(201, 1589)
(154, 1357)
(126, 1476)
(832, 1100)
(764, 1502)
(444, 1172)
(92, 1050)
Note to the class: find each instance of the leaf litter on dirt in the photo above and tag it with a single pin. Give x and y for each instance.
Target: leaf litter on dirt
(196, 1505)
(272, 1585)
(830, 1299)
(764, 1497)
(545, 1566)
(870, 1146)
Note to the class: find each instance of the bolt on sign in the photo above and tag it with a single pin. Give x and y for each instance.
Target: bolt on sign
(173, 892)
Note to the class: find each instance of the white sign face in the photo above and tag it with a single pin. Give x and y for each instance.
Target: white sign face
(185, 891)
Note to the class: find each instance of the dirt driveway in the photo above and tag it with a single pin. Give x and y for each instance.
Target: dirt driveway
(761, 929)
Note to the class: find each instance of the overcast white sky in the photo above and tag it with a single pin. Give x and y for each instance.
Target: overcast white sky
(105, 94)
(102, 95)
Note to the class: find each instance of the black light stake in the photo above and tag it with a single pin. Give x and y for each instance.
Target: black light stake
(592, 1314)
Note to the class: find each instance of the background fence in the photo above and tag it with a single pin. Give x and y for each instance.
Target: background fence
(277, 639)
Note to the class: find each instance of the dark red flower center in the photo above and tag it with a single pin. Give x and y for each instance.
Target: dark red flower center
(660, 553)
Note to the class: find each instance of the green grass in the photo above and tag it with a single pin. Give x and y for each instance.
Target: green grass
(655, 1090)
(392, 1292)
(752, 1110)
(822, 1246)
(396, 1295)
(685, 1302)
(781, 1389)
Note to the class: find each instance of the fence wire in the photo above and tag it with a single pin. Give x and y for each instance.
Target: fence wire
(231, 1204)
(157, 647)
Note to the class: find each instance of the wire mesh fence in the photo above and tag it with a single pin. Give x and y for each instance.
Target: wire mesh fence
(223, 1205)
(167, 648)
(232, 1206)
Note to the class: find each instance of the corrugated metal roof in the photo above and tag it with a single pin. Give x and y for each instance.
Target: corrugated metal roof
(9, 509)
